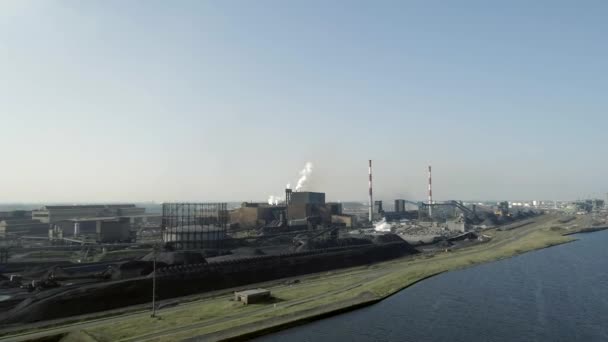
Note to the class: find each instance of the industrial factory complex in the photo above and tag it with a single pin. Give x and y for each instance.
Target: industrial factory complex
(111, 256)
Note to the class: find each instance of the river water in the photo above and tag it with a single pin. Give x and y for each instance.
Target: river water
(555, 294)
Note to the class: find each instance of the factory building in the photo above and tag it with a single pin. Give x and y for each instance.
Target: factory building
(377, 210)
(339, 218)
(378, 207)
(457, 224)
(349, 221)
(302, 208)
(252, 296)
(194, 236)
(117, 230)
(194, 225)
(391, 216)
(254, 215)
(306, 205)
(101, 229)
(20, 222)
(22, 226)
(444, 212)
(335, 208)
(15, 214)
(57, 213)
(399, 205)
(313, 212)
(104, 223)
(399, 213)
(307, 197)
(441, 212)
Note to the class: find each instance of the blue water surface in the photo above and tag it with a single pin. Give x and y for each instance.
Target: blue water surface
(555, 294)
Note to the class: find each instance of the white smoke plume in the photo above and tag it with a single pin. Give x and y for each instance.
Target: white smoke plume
(274, 200)
(304, 175)
(382, 226)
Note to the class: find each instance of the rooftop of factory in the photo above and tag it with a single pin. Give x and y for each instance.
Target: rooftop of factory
(19, 221)
(107, 218)
(195, 228)
(87, 206)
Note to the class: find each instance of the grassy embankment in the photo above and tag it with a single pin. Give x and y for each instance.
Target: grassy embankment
(319, 295)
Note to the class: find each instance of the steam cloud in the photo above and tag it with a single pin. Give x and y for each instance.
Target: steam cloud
(274, 200)
(304, 175)
(382, 226)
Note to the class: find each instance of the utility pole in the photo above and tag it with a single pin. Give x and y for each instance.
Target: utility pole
(371, 199)
(154, 281)
(430, 195)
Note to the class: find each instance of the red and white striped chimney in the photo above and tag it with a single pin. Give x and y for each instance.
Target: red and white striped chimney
(430, 194)
(371, 199)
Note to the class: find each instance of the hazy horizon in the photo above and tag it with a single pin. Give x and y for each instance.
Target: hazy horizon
(112, 101)
(386, 201)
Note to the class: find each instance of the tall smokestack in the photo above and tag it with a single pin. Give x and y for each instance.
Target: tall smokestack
(371, 199)
(287, 196)
(430, 194)
(288, 192)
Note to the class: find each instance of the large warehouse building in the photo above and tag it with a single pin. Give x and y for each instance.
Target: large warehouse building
(107, 223)
(57, 213)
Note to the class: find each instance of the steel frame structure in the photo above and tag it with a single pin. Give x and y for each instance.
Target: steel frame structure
(441, 212)
(194, 225)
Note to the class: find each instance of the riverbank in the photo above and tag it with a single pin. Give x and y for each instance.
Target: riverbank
(587, 230)
(553, 294)
(317, 296)
(272, 325)
(387, 286)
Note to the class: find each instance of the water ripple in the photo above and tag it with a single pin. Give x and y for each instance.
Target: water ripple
(555, 294)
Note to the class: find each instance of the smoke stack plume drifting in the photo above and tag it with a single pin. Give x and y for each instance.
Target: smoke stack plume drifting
(304, 175)
(274, 200)
(371, 199)
(430, 194)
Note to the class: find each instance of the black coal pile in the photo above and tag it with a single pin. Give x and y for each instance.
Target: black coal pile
(386, 238)
(487, 218)
(247, 251)
(5, 282)
(444, 244)
(489, 222)
(275, 240)
(394, 238)
(504, 220)
(176, 257)
(133, 269)
(323, 244)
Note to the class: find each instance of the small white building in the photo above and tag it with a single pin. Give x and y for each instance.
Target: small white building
(252, 296)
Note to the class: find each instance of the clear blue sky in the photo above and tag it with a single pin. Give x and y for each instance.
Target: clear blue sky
(226, 100)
